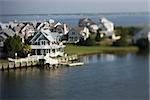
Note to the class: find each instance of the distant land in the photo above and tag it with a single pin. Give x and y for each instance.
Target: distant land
(88, 14)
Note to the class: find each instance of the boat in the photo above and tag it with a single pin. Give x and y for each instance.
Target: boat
(76, 64)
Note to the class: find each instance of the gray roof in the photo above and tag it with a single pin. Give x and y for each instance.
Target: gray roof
(51, 36)
(143, 33)
(9, 32)
(86, 22)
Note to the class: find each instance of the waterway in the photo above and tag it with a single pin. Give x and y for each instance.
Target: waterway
(103, 77)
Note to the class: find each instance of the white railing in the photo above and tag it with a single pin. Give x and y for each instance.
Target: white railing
(40, 46)
(47, 46)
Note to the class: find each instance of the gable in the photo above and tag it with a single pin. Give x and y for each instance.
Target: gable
(37, 34)
(73, 32)
(41, 37)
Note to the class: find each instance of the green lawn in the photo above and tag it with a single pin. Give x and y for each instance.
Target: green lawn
(85, 50)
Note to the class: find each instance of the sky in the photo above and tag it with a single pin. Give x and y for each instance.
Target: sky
(72, 6)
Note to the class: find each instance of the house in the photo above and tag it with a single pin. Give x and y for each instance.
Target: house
(4, 25)
(62, 29)
(109, 26)
(27, 30)
(5, 33)
(106, 26)
(86, 22)
(107, 29)
(93, 28)
(18, 27)
(45, 42)
(39, 25)
(75, 34)
(143, 34)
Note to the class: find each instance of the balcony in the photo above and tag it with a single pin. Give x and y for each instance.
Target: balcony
(54, 46)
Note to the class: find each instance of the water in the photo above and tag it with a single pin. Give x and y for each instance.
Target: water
(72, 19)
(103, 77)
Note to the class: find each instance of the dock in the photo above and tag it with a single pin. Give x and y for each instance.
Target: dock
(37, 61)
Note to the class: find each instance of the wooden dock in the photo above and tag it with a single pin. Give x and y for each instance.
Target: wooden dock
(13, 65)
(34, 61)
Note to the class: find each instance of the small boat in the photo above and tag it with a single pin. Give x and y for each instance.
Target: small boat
(76, 64)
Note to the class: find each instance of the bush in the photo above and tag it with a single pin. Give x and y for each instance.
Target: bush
(90, 42)
(121, 42)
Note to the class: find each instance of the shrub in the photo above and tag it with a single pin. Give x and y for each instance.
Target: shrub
(121, 42)
(90, 42)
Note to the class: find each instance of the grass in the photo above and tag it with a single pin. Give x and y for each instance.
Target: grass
(86, 50)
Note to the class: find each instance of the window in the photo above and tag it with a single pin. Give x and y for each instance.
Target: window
(43, 42)
(73, 33)
(53, 50)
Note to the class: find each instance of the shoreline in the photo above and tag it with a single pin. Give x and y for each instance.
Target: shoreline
(91, 50)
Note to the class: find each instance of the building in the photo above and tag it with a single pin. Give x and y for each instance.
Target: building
(27, 30)
(74, 36)
(4, 34)
(143, 34)
(86, 22)
(47, 43)
(107, 29)
(109, 26)
(93, 28)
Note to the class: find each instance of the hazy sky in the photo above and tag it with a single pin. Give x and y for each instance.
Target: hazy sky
(71, 6)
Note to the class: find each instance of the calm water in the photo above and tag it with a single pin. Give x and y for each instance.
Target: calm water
(118, 19)
(103, 77)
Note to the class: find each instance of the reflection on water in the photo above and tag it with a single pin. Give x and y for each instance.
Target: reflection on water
(104, 76)
(103, 58)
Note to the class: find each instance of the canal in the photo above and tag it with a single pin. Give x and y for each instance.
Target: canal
(103, 77)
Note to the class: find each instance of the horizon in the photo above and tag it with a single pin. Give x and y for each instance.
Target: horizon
(99, 13)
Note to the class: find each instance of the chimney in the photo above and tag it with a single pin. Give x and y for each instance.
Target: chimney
(65, 29)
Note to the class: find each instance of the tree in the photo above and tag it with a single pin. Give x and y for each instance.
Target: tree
(25, 50)
(98, 37)
(90, 41)
(14, 45)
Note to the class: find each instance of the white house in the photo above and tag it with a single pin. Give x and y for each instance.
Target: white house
(93, 28)
(84, 32)
(47, 43)
(107, 27)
